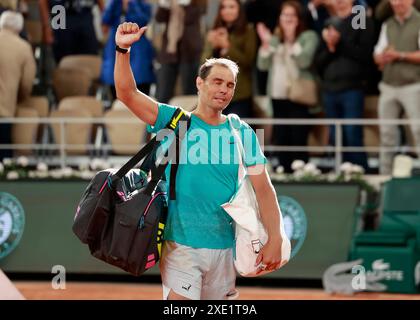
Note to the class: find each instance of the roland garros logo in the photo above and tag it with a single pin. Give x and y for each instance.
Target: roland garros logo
(295, 222)
(12, 221)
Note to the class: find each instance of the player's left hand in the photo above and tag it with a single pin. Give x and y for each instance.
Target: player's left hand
(269, 257)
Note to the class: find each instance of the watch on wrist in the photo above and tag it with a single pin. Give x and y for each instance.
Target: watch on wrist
(122, 50)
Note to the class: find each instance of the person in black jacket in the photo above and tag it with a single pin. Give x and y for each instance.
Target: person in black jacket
(345, 55)
(267, 12)
(316, 13)
(78, 36)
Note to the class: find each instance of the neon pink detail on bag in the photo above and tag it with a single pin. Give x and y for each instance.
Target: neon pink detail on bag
(151, 257)
(150, 264)
(103, 187)
(151, 200)
(121, 195)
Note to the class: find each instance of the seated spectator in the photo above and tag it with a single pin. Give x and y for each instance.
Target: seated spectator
(141, 53)
(397, 54)
(18, 6)
(182, 45)
(17, 72)
(232, 37)
(288, 55)
(342, 61)
(79, 35)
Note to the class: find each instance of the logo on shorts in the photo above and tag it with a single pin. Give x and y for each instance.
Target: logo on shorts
(295, 223)
(12, 221)
(186, 287)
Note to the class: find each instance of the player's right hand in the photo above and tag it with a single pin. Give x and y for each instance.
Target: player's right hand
(128, 33)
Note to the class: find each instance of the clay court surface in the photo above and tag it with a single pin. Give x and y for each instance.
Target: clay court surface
(37, 290)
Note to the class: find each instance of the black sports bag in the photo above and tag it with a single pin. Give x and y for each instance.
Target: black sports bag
(121, 215)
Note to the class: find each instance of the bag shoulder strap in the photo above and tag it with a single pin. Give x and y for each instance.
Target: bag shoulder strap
(157, 172)
(174, 166)
(235, 125)
(178, 115)
(235, 121)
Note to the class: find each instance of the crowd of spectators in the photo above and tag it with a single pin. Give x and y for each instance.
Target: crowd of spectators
(309, 57)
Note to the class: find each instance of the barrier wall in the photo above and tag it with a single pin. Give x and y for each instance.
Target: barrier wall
(48, 240)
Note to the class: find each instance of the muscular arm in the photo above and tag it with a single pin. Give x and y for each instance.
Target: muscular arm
(270, 217)
(267, 203)
(140, 104)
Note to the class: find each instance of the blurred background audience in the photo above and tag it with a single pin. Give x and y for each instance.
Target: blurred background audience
(298, 59)
(181, 46)
(342, 62)
(142, 52)
(288, 57)
(233, 37)
(17, 72)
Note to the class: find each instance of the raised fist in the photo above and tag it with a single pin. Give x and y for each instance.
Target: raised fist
(128, 33)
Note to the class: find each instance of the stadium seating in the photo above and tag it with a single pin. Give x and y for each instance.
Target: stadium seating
(90, 104)
(25, 133)
(76, 135)
(89, 62)
(394, 247)
(187, 102)
(125, 138)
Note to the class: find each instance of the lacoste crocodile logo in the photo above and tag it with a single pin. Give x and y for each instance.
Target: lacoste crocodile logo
(379, 265)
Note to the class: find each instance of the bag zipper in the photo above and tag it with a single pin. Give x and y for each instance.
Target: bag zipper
(142, 218)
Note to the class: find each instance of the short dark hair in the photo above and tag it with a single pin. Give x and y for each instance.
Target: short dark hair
(206, 67)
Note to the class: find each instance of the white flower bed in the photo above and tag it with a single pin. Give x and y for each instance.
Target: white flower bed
(16, 169)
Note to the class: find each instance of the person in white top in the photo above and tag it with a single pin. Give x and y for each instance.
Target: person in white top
(287, 55)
